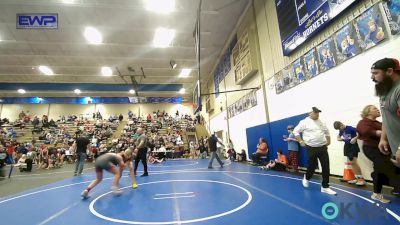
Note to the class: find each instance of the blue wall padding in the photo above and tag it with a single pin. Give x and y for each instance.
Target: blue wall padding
(273, 132)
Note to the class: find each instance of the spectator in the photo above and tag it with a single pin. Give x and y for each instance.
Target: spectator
(153, 159)
(212, 142)
(370, 131)
(279, 164)
(386, 75)
(81, 147)
(130, 114)
(241, 157)
(231, 154)
(262, 150)
(202, 149)
(349, 136)
(35, 121)
(293, 148)
(316, 139)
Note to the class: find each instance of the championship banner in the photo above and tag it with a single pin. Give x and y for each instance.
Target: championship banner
(346, 43)
(288, 77)
(326, 54)
(278, 82)
(311, 63)
(246, 102)
(392, 11)
(300, 76)
(224, 66)
(370, 28)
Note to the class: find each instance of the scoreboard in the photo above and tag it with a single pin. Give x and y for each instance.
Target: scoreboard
(300, 19)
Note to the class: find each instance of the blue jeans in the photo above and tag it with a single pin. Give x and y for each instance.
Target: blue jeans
(214, 155)
(80, 161)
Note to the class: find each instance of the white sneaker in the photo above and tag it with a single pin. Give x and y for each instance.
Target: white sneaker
(116, 191)
(85, 194)
(305, 182)
(328, 191)
(360, 182)
(379, 197)
(352, 181)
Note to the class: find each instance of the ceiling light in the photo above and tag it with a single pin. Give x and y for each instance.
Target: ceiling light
(77, 91)
(46, 70)
(173, 64)
(185, 72)
(132, 91)
(106, 71)
(93, 36)
(182, 91)
(68, 1)
(163, 37)
(21, 91)
(160, 6)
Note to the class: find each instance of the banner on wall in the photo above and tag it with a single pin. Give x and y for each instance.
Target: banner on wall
(364, 32)
(370, 28)
(224, 66)
(392, 11)
(299, 74)
(299, 20)
(246, 102)
(288, 77)
(279, 82)
(311, 63)
(326, 54)
(346, 43)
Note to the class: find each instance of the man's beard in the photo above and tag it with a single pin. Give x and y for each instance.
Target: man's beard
(383, 87)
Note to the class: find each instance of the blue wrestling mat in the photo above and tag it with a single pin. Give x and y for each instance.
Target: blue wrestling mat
(186, 192)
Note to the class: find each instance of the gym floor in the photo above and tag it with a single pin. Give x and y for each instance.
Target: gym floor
(186, 192)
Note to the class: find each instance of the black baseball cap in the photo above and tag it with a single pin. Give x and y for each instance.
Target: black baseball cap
(386, 63)
(316, 110)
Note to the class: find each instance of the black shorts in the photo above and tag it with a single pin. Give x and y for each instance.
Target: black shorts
(351, 151)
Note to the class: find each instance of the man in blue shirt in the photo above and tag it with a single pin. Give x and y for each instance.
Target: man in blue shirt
(348, 135)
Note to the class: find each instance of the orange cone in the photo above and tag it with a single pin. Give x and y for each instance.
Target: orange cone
(348, 173)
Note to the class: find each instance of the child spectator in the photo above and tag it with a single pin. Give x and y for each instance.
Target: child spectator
(280, 163)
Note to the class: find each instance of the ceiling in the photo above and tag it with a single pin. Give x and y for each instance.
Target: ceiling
(127, 29)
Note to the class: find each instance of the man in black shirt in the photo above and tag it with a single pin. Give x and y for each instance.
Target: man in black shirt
(81, 145)
(212, 144)
(141, 148)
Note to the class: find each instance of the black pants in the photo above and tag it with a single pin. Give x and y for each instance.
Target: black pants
(321, 153)
(256, 157)
(279, 167)
(384, 170)
(28, 165)
(142, 153)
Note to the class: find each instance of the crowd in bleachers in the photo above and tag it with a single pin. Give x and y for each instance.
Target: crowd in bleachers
(164, 131)
(50, 145)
